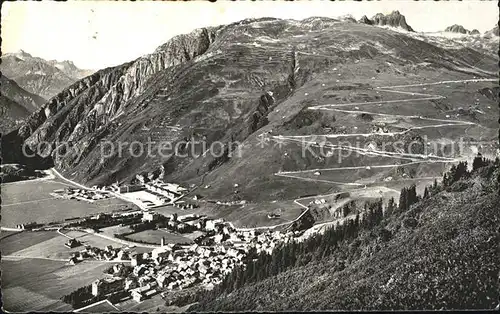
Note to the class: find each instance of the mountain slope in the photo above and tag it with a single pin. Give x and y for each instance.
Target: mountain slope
(39, 76)
(16, 104)
(441, 254)
(493, 32)
(11, 114)
(234, 83)
(12, 90)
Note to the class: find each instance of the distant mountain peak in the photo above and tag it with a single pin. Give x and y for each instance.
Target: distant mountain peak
(365, 20)
(393, 19)
(457, 29)
(39, 76)
(23, 53)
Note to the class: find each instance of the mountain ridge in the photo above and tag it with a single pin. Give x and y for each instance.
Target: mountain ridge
(40, 76)
(17, 104)
(232, 83)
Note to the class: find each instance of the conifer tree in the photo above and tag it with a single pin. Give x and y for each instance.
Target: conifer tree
(426, 193)
(403, 200)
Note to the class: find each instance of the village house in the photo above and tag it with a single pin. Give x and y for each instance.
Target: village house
(72, 243)
(123, 255)
(138, 294)
(149, 216)
(130, 283)
(128, 188)
(136, 260)
(118, 267)
(213, 224)
(107, 285)
(188, 217)
(163, 252)
(139, 270)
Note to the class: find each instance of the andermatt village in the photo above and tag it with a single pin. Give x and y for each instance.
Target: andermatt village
(338, 162)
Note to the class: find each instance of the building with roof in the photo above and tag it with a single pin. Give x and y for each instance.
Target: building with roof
(107, 285)
(72, 243)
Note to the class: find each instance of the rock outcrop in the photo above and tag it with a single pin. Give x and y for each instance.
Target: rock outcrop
(458, 29)
(394, 19)
(365, 20)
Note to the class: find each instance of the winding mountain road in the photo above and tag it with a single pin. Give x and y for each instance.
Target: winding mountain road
(415, 158)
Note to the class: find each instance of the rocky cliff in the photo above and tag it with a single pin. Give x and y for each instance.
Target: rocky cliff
(461, 30)
(394, 19)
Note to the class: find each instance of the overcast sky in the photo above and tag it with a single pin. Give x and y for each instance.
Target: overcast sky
(96, 34)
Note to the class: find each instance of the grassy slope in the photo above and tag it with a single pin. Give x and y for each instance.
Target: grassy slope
(448, 261)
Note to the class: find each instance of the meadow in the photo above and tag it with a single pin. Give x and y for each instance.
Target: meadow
(20, 292)
(26, 201)
(155, 236)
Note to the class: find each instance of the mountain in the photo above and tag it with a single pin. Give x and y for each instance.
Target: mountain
(394, 19)
(441, 254)
(461, 30)
(493, 32)
(254, 79)
(457, 29)
(38, 76)
(12, 90)
(365, 20)
(16, 104)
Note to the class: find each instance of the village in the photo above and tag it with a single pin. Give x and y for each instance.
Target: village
(174, 266)
(216, 247)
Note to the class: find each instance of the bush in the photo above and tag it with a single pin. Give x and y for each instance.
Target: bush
(459, 186)
(410, 222)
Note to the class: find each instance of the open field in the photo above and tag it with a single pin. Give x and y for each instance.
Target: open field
(255, 215)
(49, 248)
(100, 307)
(22, 240)
(111, 231)
(155, 236)
(100, 242)
(5, 234)
(20, 206)
(53, 279)
(50, 244)
(168, 210)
